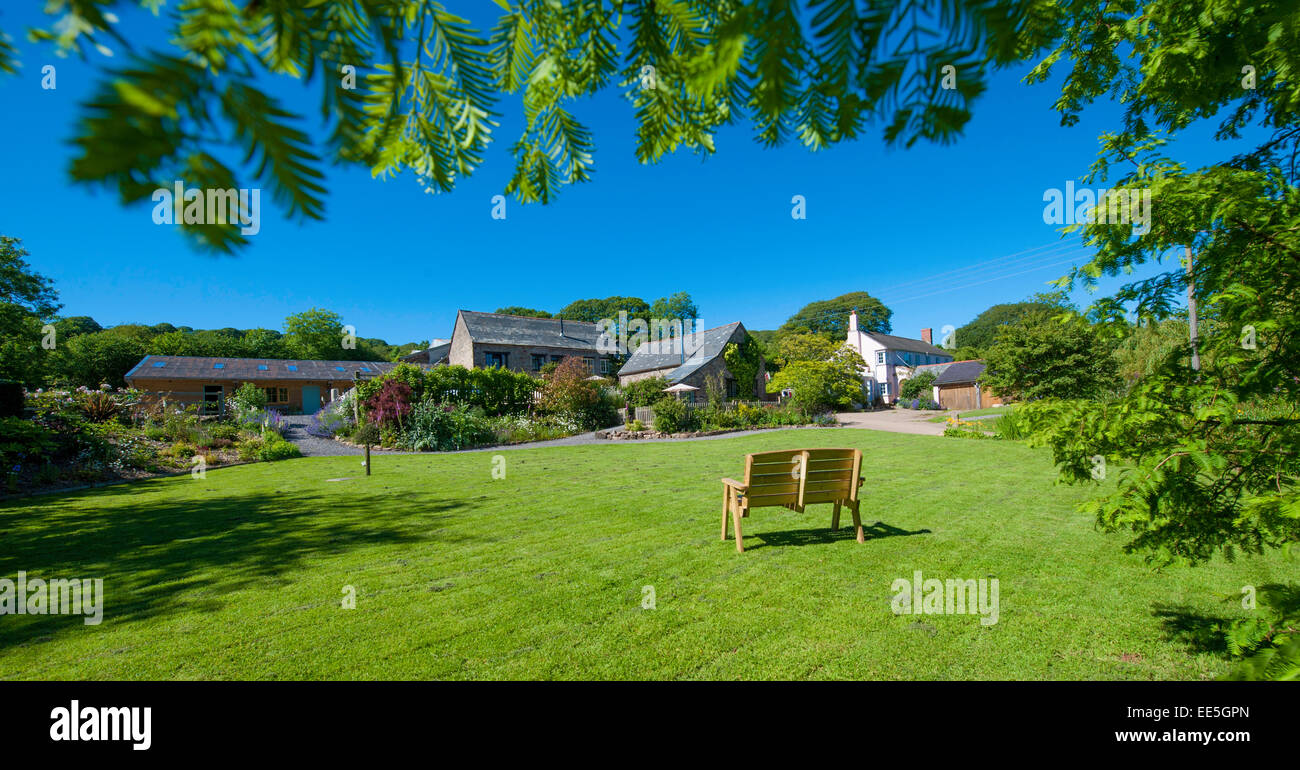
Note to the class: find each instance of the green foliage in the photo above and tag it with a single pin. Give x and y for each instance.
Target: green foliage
(523, 311)
(822, 385)
(830, 318)
(978, 334)
(443, 427)
(27, 301)
(645, 392)
(917, 386)
(1210, 457)
(593, 310)
(276, 448)
(566, 393)
(315, 334)
(248, 397)
(804, 346)
(1045, 355)
(1268, 648)
(679, 306)
(670, 414)
(427, 85)
(743, 361)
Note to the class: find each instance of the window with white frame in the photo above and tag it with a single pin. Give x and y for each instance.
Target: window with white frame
(880, 356)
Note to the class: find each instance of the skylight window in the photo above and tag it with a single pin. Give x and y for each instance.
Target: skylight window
(218, 366)
(262, 367)
(292, 367)
(159, 364)
(339, 368)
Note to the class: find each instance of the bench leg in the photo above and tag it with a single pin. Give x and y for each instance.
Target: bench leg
(726, 508)
(857, 522)
(735, 521)
(835, 517)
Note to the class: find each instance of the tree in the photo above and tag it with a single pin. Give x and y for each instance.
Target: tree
(830, 317)
(977, 335)
(678, 306)
(1210, 455)
(27, 301)
(917, 386)
(71, 326)
(1042, 355)
(823, 385)
(523, 311)
(804, 347)
(594, 310)
(425, 86)
(100, 357)
(315, 335)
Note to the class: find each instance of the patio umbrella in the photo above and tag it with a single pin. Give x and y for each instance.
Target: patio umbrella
(680, 387)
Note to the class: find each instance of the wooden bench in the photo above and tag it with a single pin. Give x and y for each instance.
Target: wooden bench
(794, 478)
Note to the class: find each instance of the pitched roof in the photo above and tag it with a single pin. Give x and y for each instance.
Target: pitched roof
(934, 369)
(217, 369)
(960, 372)
(430, 355)
(698, 348)
(890, 342)
(495, 328)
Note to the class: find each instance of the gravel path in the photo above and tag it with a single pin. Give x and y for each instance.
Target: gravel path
(311, 446)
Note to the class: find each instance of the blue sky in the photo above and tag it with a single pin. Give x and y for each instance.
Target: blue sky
(918, 228)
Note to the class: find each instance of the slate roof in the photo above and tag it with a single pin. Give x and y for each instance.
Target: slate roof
(935, 369)
(494, 328)
(217, 369)
(431, 355)
(890, 342)
(960, 372)
(700, 348)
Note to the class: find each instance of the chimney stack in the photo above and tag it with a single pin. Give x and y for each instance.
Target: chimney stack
(927, 336)
(853, 321)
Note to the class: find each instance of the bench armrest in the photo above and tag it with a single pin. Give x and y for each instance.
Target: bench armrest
(735, 484)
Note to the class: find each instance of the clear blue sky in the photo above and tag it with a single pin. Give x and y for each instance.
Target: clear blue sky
(397, 262)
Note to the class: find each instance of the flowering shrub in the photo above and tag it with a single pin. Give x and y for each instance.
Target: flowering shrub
(390, 404)
(332, 419)
(442, 427)
(263, 420)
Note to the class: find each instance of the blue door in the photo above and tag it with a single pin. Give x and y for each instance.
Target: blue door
(310, 399)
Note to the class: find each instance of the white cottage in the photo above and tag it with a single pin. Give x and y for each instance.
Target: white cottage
(890, 360)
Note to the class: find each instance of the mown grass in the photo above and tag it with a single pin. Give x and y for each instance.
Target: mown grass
(541, 574)
(990, 410)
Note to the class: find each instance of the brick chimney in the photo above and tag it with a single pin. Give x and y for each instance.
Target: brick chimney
(927, 336)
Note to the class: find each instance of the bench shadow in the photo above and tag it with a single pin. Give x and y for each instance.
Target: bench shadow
(823, 535)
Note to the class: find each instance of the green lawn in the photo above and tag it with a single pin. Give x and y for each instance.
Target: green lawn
(998, 410)
(540, 575)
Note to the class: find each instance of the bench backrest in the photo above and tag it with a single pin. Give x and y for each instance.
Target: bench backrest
(831, 475)
(774, 478)
(795, 478)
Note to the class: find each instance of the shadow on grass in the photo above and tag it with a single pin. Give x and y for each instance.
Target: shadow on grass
(1196, 631)
(159, 553)
(823, 535)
